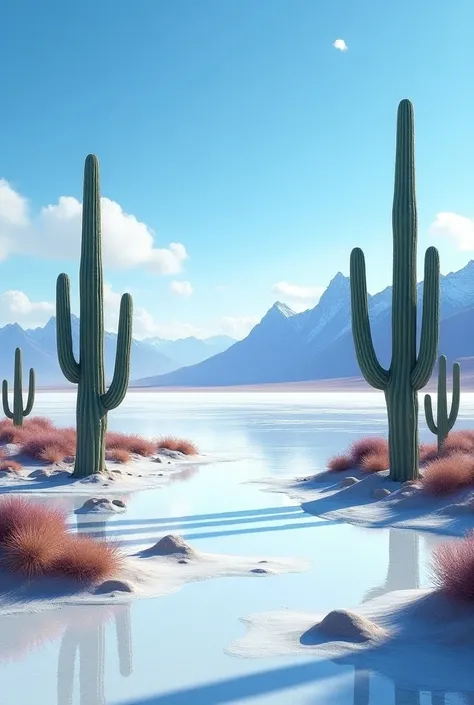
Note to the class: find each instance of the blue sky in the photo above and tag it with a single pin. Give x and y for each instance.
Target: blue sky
(237, 130)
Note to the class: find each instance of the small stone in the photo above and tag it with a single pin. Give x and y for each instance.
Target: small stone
(112, 586)
(410, 483)
(116, 471)
(160, 474)
(129, 473)
(259, 571)
(348, 481)
(119, 503)
(157, 460)
(380, 493)
(183, 560)
(263, 561)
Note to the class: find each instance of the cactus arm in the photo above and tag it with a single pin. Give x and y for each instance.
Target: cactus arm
(370, 367)
(114, 396)
(456, 395)
(69, 367)
(6, 407)
(31, 394)
(429, 415)
(430, 322)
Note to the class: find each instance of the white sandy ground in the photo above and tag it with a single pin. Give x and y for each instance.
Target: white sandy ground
(417, 638)
(150, 573)
(404, 507)
(138, 474)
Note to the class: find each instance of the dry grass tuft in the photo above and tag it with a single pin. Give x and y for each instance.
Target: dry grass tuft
(34, 542)
(129, 442)
(428, 453)
(340, 463)
(12, 465)
(375, 462)
(42, 445)
(31, 550)
(367, 446)
(179, 444)
(12, 434)
(448, 474)
(119, 455)
(88, 561)
(456, 442)
(453, 568)
(17, 513)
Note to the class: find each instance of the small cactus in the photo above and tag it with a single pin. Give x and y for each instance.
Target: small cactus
(18, 413)
(444, 422)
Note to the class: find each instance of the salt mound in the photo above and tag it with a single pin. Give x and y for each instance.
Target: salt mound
(348, 481)
(113, 586)
(101, 504)
(344, 625)
(171, 545)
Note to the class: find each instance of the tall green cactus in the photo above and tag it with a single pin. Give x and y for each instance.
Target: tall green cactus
(407, 373)
(18, 412)
(93, 401)
(445, 422)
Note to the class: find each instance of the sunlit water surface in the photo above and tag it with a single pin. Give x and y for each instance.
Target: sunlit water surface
(170, 650)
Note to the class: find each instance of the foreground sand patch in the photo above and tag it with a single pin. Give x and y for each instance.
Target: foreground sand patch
(163, 568)
(417, 638)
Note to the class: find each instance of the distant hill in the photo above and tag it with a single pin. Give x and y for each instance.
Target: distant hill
(38, 346)
(317, 344)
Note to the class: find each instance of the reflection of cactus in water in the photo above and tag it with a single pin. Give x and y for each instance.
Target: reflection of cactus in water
(403, 564)
(361, 687)
(91, 647)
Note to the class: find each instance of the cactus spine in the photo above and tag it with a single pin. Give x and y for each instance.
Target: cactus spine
(407, 373)
(93, 401)
(444, 423)
(18, 412)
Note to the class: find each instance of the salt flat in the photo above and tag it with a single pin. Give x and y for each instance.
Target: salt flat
(172, 649)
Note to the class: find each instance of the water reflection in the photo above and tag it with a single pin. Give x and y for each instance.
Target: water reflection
(88, 642)
(403, 573)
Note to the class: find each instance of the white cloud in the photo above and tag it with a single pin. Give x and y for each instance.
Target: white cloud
(237, 326)
(55, 233)
(16, 307)
(181, 288)
(456, 228)
(302, 295)
(340, 45)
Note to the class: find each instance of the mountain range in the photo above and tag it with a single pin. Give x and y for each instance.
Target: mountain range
(317, 344)
(149, 356)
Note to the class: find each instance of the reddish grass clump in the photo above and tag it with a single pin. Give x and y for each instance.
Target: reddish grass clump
(129, 442)
(456, 442)
(39, 422)
(34, 541)
(17, 513)
(179, 444)
(340, 463)
(119, 455)
(453, 568)
(12, 434)
(10, 465)
(31, 550)
(367, 446)
(375, 462)
(87, 560)
(428, 452)
(58, 443)
(448, 474)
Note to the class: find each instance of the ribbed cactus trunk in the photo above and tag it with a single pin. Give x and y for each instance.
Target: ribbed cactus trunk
(93, 402)
(408, 373)
(90, 413)
(401, 396)
(18, 413)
